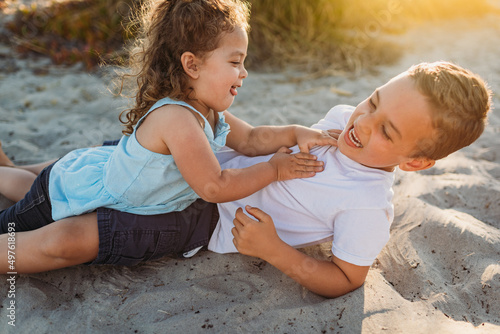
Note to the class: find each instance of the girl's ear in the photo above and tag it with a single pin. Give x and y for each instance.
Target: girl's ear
(414, 165)
(191, 64)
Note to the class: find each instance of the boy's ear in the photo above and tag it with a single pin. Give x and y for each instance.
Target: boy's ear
(190, 64)
(415, 164)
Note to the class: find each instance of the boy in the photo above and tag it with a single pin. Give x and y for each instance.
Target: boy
(420, 116)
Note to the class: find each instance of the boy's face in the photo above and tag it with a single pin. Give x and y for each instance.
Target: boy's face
(384, 129)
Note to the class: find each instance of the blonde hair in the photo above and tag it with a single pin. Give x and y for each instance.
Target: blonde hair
(168, 28)
(460, 101)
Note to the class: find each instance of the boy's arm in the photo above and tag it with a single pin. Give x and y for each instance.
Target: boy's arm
(266, 139)
(259, 239)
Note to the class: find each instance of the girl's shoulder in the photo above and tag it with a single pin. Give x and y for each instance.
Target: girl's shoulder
(164, 126)
(173, 115)
(171, 104)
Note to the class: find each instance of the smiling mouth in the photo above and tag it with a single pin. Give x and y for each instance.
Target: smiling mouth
(354, 139)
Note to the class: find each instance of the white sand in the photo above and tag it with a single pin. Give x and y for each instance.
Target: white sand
(439, 273)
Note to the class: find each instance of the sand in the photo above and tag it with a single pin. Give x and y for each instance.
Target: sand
(439, 273)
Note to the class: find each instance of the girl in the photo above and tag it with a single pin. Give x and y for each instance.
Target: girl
(189, 67)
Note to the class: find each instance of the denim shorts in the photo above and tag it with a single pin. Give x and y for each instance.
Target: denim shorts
(124, 238)
(127, 239)
(33, 211)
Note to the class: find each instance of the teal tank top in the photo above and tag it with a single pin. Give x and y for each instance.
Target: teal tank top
(126, 177)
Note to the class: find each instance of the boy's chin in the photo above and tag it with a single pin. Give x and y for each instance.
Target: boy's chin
(347, 151)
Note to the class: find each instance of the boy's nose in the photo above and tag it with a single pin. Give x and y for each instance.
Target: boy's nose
(363, 123)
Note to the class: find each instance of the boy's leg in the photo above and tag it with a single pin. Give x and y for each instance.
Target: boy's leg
(64, 243)
(127, 239)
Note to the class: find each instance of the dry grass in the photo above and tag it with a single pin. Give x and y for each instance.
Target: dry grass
(88, 31)
(328, 36)
(317, 36)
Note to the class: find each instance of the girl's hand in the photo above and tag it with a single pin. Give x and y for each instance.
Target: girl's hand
(307, 138)
(255, 237)
(291, 166)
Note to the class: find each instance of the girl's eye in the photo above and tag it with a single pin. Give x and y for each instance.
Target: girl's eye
(384, 133)
(236, 62)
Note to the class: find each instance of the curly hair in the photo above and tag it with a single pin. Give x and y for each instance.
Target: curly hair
(460, 101)
(168, 28)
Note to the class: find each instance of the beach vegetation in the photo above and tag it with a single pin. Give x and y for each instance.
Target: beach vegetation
(317, 36)
(87, 31)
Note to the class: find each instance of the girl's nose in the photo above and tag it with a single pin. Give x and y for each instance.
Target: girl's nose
(243, 72)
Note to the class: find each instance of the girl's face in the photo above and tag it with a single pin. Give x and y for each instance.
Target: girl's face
(221, 73)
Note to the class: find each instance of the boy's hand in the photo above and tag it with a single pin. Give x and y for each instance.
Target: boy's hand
(308, 138)
(255, 237)
(291, 166)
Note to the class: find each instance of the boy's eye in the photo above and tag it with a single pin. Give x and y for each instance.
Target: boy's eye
(372, 104)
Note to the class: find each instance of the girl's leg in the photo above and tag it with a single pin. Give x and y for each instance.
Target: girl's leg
(15, 183)
(31, 212)
(4, 159)
(34, 168)
(64, 243)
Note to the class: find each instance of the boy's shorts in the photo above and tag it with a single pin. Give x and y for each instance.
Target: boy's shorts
(128, 239)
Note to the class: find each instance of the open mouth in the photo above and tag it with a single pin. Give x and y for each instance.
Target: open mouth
(354, 139)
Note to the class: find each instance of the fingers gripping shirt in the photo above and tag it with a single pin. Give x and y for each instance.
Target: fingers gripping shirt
(347, 203)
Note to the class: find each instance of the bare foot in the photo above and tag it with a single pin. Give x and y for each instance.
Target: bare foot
(4, 159)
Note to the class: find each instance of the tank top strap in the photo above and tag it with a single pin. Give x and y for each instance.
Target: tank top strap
(168, 100)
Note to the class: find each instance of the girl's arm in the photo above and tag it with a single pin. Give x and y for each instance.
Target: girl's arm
(252, 141)
(174, 130)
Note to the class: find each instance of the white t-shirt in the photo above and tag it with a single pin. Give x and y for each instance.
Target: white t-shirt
(347, 203)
